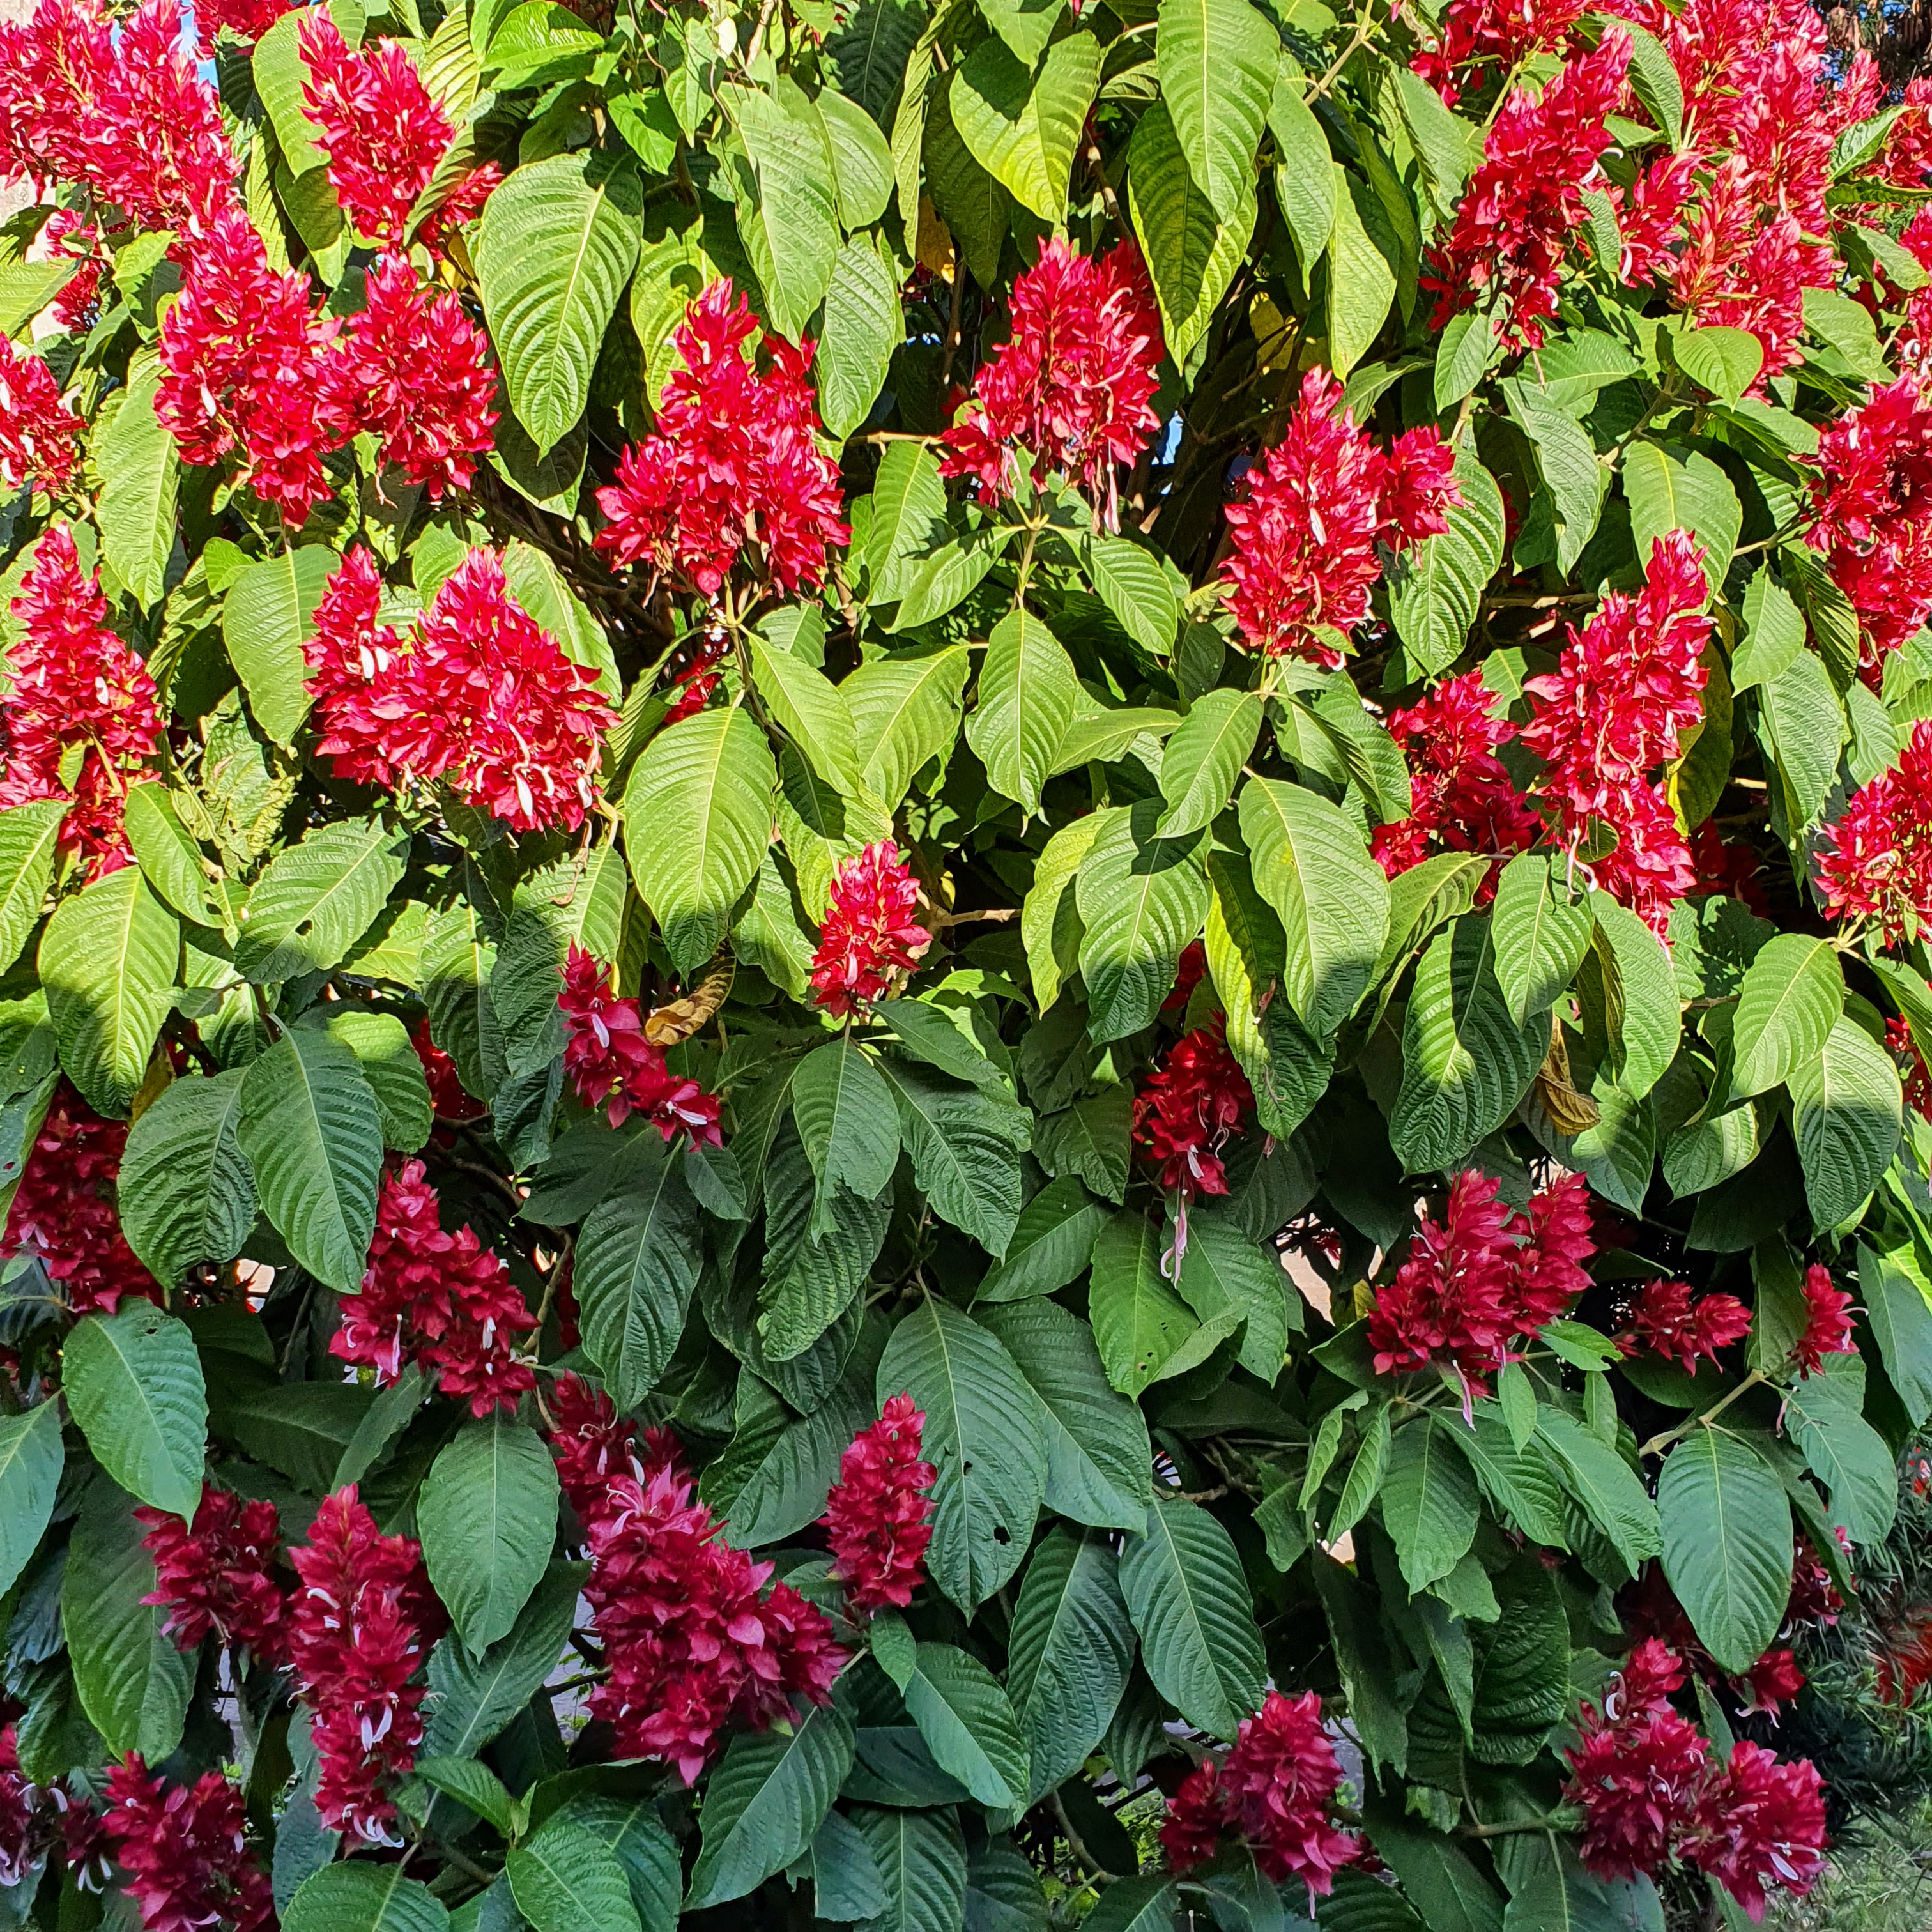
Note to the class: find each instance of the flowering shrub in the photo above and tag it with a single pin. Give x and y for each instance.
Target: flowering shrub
(917, 919)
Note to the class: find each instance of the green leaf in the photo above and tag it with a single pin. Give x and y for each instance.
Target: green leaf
(809, 1284)
(1223, 1268)
(471, 1698)
(1145, 1332)
(1540, 933)
(1071, 1647)
(134, 1385)
(1429, 1502)
(1670, 489)
(541, 589)
(1792, 995)
(487, 1515)
(1724, 361)
(1901, 1321)
(566, 1880)
(1640, 994)
(31, 1458)
(848, 1122)
(359, 1896)
(312, 1133)
(1091, 1141)
(317, 899)
(132, 1683)
(474, 1785)
(1023, 129)
(1313, 868)
(1216, 60)
(1361, 285)
(1575, 480)
(1028, 694)
(28, 836)
(107, 962)
(1098, 1456)
(905, 709)
(863, 324)
(1466, 1063)
(772, 1479)
(1438, 1877)
(1142, 896)
(766, 1799)
(985, 1436)
(1305, 179)
(1204, 758)
(698, 818)
(862, 161)
(1051, 1243)
(1846, 1116)
(1824, 1412)
(1774, 633)
(185, 1191)
(638, 1257)
(631, 1830)
(168, 856)
(1191, 249)
(787, 204)
(140, 464)
(909, 523)
(1190, 1601)
(968, 1725)
(1436, 588)
(1604, 1483)
(267, 616)
(1726, 1543)
(921, 1858)
(555, 248)
(578, 902)
(810, 708)
(1134, 588)
(1515, 1476)
(1136, 1905)
(389, 1062)
(965, 1147)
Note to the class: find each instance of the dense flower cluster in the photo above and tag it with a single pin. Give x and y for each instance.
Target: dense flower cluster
(1514, 224)
(20, 1823)
(1463, 798)
(184, 1849)
(1304, 557)
(480, 695)
(877, 1517)
(359, 1629)
(1609, 717)
(1828, 1326)
(443, 1300)
(613, 1066)
(1273, 1789)
(1073, 386)
(1879, 866)
(381, 128)
(1482, 39)
(63, 1213)
(694, 1644)
(593, 1446)
(1650, 1790)
(213, 1575)
(246, 20)
(1774, 1680)
(1666, 1321)
(1483, 1276)
(73, 684)
(735, 469)
(1187, 1107)
(39, 436)
(870, 934)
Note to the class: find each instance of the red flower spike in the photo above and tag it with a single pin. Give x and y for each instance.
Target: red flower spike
(354, 663)
(1666, 1321)
(870, 934)
(1304, 558)
(1451, 1298)
(247, 19)
(184, 1851)
(1074, 383)
(1479, 39)
(1774, 1679)
(39, 436)
(1188, 1107)
(1880, 866)
(214, 1576)
(382, 129)
(593, 1446)
(1760, 1827)
(63, 1213)
(1828, 1327)
(735, 469)
(1197, 1815)
(878, 1515)
(1550, 1270)
(21, 1832)
(613, 1066)
(1635, 1780)
(359, 1629)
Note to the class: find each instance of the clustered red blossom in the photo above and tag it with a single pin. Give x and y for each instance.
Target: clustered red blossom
(359, 1629)
(73, 683)
(694, 1645)
(478, 695)
(1187, 1107)
(20, 1820)
(735, 472)
(1651, 1790)
(1879, 867)
(247, 19)
(1774, 1680)
(1610, 719)
(1665, 1321)
(1463, 798)
(1916, 1076)
(1072, 386)
(1827, 1325)
(443, 1300)
(1484, 1275)
(184, 1849)
(870, 934)
(116, 106)
(63, 1213)
(1304, 558)
(1274, 1791)
(696, 677)
(69, 237)
(877, 1516)
(593, 1445)
(1481, 38)
(613, 1066)
(1514, 225)
(214, 1574)
(39, 436)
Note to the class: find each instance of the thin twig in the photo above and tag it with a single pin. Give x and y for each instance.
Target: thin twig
(1077, 1845)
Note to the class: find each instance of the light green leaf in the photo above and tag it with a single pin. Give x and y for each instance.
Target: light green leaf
(1051, 1243)
(1028, 694)
(810, 708)
(267, 616)
(1670, 489)
(908, 523)
(487, 1517)
(1791, 996)
(1724, 361)
(1436, 587)
(1846, 1116)
(1223, 1268)
(134, 1385)
(1361, 284)
(317, 898)
(1145, 1332)
(1305, 180)
(1204, 758)
(905, 711)
(1900, 1319)
(1023, 129)
(1574, 478)
(863, 324)
(847, 1123)
(787, 208)
(1726, 1543)
(1824, 1412)
(1604, 1483)
(1191, 249)
(1134, 588)
(1142, 896)
(29, 835)
(140, 464)
(1216, 60)
(861, 162)
(185, 1191)
(1540, 933)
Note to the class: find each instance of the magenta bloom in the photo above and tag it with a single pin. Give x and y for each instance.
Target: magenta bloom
(877, 1516)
